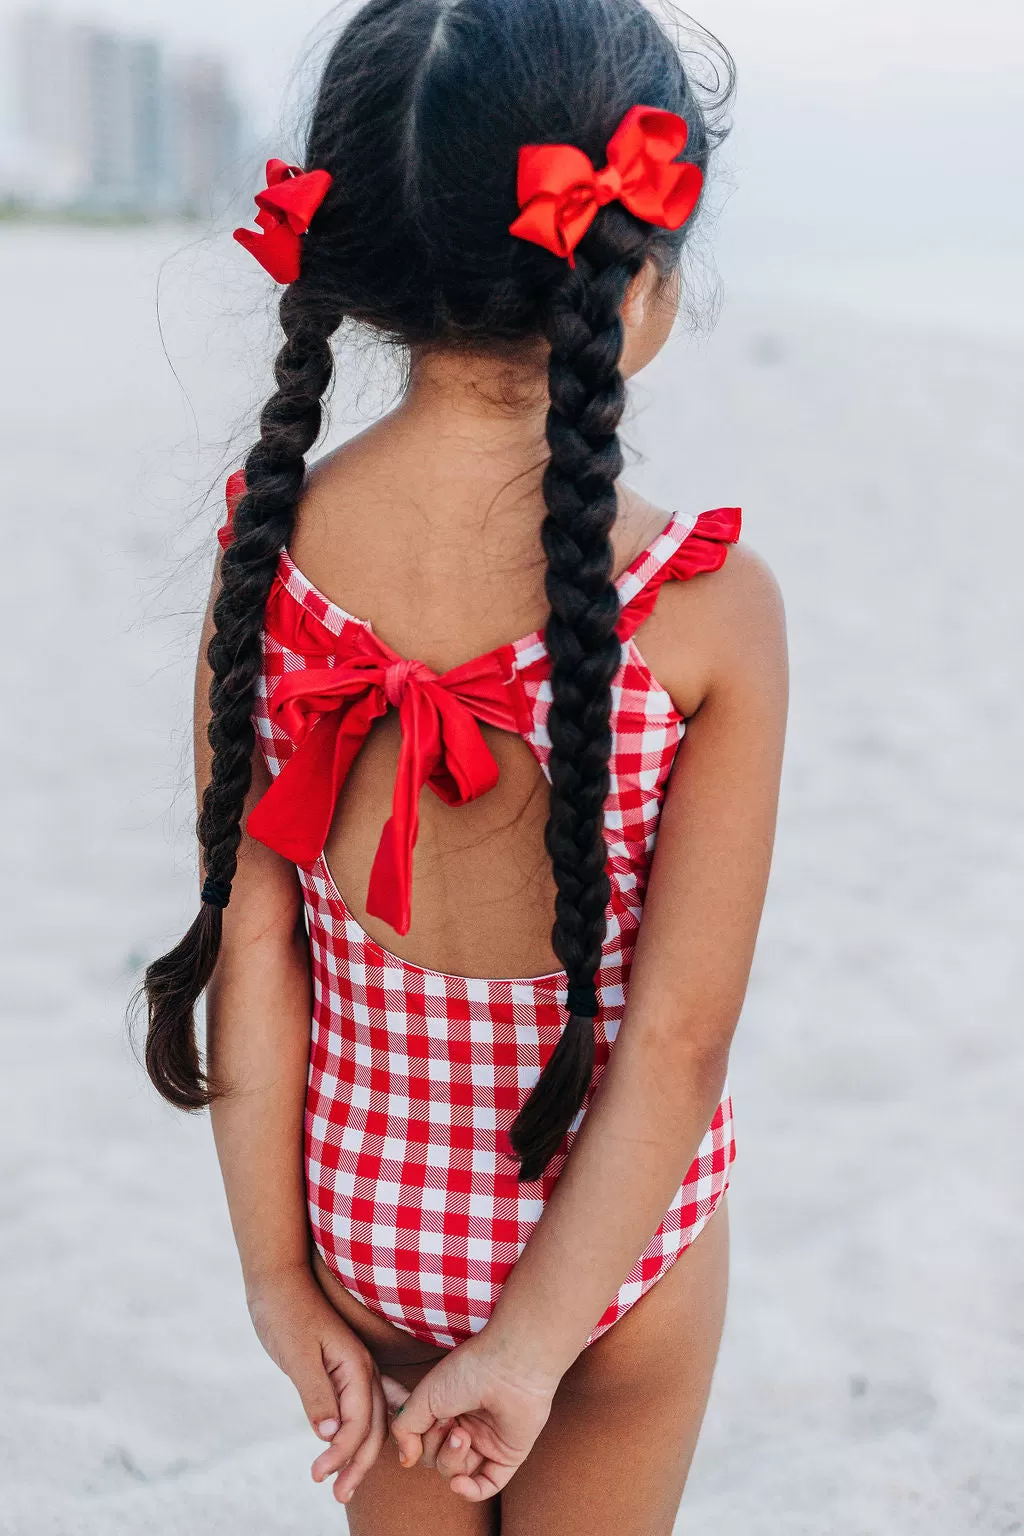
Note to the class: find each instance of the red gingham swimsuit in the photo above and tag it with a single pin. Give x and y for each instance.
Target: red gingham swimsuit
(416, 1076)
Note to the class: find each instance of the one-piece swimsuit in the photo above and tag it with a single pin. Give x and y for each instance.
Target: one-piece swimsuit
(416, 1076)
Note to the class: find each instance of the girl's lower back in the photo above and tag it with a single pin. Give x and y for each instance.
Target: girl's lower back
(466, 1048)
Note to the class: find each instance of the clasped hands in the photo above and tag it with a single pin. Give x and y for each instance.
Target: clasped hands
(474, 1416)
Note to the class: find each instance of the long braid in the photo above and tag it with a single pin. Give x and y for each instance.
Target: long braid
(587, 391)
(274, 473)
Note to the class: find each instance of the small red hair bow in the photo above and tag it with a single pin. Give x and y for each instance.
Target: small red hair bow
(560, 192)
(287, 207)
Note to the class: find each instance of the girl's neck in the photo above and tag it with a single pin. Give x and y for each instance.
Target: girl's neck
(464, 450)
(462, 456)
(476, 421)
(494, 393)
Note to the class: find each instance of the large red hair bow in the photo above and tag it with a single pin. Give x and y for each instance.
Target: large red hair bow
(287, 207)
(560, 192)
(327, 710)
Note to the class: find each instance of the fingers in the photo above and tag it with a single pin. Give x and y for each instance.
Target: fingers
(411, 1422)
(395, 1395)
(434, 1438)
(433, 1441)
(348, 1481)
(456, 1457)
(410, 1446)
(319, 1399)
(488, 1480)
(355, 1412)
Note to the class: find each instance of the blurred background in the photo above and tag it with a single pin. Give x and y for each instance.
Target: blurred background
(850, 368)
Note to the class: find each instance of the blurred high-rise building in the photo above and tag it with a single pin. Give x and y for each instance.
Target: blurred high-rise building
(110, 124)
(207, 130)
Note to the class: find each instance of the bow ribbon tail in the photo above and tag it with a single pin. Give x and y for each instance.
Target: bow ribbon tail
(294, 816)
(492, 690)
(278, 250)
(466, 768)
(389, 896)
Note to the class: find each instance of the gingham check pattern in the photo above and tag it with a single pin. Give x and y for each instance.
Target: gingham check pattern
(416, 1076)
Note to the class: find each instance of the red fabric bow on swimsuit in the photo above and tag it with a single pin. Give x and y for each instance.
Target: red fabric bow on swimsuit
(287, 207)
(560, 193)
(327, 711)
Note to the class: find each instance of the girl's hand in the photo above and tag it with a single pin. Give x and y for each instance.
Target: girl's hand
(333, 1372)
(498, 1410)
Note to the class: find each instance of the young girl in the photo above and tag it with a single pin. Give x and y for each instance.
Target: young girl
(458, 1204)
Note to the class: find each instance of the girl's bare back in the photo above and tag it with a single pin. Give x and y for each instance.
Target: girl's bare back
(416, 528)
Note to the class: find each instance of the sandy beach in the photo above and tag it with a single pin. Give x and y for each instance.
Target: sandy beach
(872, 1377)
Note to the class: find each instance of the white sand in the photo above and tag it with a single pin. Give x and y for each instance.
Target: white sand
(872, 1379)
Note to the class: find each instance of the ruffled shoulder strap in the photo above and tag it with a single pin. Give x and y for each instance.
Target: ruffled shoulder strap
(233, 493)
(704, 549)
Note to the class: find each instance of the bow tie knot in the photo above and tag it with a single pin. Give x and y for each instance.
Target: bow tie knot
(327, 708)
(607, 185)
(396, 679)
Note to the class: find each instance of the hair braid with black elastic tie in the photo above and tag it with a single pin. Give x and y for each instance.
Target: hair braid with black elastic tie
(274, 471)
(584, 328)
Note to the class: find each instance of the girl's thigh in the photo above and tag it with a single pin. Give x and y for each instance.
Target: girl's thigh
(614, 1456)
(396, 1501)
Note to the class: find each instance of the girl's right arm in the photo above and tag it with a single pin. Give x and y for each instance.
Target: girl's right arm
(258, 1008)
(667, 1071)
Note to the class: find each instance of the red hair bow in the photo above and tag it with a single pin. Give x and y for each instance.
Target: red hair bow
(287, 207)
(560, 192)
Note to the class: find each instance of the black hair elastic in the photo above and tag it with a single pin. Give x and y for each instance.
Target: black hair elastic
(216, 893)
(582, 1002)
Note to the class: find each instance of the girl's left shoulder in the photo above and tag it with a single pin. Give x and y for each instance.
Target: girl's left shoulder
(724, 628)
(743, 595)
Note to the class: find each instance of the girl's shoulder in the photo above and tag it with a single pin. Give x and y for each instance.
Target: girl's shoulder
(725, 627)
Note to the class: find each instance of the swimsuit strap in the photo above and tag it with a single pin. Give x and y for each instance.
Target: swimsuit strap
(703, 548)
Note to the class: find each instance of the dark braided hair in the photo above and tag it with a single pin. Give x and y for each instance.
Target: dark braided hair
(588, 394)
(421, 112)
(274, 470)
